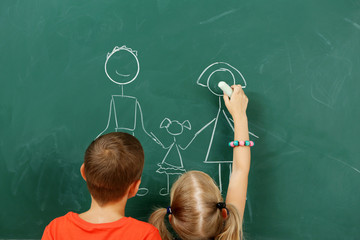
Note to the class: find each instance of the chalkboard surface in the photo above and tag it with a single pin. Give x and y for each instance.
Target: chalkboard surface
(71, 70)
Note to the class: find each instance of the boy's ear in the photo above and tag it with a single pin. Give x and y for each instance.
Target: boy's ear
(82, 171)
(134, 187)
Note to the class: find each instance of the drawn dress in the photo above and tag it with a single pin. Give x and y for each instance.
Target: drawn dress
(223, 133)
(172, 162)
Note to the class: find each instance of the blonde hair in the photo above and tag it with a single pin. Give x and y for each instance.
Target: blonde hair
(193, 200)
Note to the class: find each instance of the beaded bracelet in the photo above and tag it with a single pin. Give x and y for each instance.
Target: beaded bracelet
(241, 143)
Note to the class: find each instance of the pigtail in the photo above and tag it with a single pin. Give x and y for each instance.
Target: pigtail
(157, 219)
(233, 225)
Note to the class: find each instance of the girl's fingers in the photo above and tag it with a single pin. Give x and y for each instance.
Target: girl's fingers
(237, 88)
(226, 99)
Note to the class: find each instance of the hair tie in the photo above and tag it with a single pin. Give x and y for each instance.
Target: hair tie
(168, 210)
(221, 205)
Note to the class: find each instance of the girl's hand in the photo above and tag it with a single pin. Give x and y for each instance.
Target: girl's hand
(237, 105)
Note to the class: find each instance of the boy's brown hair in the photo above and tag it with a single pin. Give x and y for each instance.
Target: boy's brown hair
(112, 163)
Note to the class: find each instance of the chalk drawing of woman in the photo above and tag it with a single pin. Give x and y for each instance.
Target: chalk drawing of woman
(222, 124)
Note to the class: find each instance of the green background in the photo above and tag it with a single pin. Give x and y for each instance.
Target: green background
(300, 60)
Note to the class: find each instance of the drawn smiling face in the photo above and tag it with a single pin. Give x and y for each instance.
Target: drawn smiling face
(122, 65)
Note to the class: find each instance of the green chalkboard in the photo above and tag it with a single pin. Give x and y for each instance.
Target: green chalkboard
(71, 70)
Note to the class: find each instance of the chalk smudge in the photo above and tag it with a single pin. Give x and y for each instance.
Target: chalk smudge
(213, 19)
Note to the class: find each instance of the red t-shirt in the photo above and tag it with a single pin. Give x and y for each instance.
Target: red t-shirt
(71, 226)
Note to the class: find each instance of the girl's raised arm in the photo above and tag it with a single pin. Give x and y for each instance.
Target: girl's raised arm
(237, 189)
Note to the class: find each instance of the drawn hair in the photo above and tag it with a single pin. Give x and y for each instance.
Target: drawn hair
(112, 163)
(194, 214)
(204, 79)
(116, 49)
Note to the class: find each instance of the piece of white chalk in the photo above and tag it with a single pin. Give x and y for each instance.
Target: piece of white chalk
(226, 88)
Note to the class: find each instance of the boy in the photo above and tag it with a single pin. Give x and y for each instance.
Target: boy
(112, 169)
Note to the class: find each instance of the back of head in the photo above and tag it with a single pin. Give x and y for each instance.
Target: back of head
(194, 212)
(112, 163)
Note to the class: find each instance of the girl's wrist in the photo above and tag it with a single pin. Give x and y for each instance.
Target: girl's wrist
(240, 117)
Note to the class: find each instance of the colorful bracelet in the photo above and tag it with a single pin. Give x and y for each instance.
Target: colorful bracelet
(241, 143)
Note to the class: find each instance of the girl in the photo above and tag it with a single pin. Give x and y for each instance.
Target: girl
(197, 210)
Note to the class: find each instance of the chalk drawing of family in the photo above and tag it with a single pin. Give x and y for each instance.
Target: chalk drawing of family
(122, 67)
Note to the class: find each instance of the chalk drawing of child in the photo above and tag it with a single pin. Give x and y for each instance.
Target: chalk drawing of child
(172, 163)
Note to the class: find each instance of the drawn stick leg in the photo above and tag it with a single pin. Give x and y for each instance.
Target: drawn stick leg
(220, 183)
(165, 191)
(142, 192)
(230, 171)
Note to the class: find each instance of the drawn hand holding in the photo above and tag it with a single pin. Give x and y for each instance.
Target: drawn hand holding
(153, 137)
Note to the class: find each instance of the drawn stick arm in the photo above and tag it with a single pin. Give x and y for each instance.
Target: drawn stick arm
(158, 141)
(142, 122)
(196, 134)
(151, 135)
(109, 118)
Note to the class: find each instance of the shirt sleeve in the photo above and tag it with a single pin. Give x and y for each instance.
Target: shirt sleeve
(153, 235)
(46, 235)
